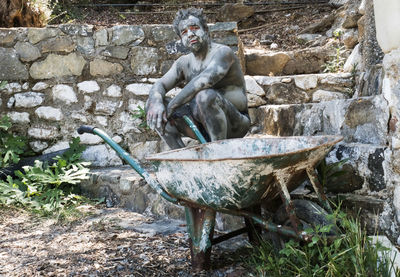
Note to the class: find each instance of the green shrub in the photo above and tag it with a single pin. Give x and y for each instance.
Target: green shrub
(351, 253)
(44, 188)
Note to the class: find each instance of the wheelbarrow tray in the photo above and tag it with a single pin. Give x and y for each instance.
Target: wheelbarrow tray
(235, 174)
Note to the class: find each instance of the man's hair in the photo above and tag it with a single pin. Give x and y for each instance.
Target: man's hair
(184, 14)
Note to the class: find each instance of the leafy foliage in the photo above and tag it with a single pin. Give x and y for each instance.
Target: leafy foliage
(351, 253)
(11, 146)
(43, 187)
(140, 113)
(336, 61)
(328, 171)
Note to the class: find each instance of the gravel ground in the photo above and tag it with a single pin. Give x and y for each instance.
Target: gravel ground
(106, 242)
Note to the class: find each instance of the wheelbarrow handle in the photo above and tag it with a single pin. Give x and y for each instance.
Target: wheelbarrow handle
(86, 129)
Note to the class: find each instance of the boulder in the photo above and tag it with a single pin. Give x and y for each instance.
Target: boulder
(11, 67)
(266, 63)
(104, 68)
(144, 60)
(235, 12)
(58, 66)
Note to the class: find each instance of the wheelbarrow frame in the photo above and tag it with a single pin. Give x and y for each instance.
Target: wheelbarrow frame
(201, 220)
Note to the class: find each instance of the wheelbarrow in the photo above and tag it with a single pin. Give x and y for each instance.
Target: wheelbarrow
(233, 176)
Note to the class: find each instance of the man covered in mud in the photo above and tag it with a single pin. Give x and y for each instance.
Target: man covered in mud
(214, 91)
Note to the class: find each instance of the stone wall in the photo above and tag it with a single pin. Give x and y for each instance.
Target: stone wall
(387, 15)
(61, 77)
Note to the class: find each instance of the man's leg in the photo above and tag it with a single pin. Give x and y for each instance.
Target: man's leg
(220, 117)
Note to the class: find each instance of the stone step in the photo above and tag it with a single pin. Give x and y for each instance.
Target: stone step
(297, 89)
(302, 61)
(360, 120)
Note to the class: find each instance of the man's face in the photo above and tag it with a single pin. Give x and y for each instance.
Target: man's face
(192, 33)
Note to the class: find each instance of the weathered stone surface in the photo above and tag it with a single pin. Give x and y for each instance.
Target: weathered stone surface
(103, 68)
(164, 34)
(17, 117)
(11, 67)
(350, 39)
(88, 86)
(354, 60)
(325, 95)
(235, 12)
(144, 60)
(306, 82)
(142, 149)
(124, 35)
(85, 45)
(8, 37)
(40, 86)
(113, 91)
(28, 99)
(306, 61)
(79, 116)
(90, 139)
(38, 146)
(10, 102)
(27, 52)
(58, 44)
(227, 40)
(64, 93)
(366, 121)
(267, 81)
(252, 87)
(43, 133)
(102, 120)
(254, 100)
(304, 38)
(77, 29)
(58, 66)
(107, 107)
(350, 20)
(139, 88)
(101, 37)
(342, 79)
(222, 27)
(118, 52)
(36, 35)
(12, 88)
(100, 155)
(264, 64)
(127, 123)
(286, 94)
(61, 145)
(49, 113)
(277, 120)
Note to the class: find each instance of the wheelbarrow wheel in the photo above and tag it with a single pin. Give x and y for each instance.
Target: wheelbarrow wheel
(309, 214)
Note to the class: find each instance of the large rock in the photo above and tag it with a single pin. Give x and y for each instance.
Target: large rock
(43, 133)
(139, 89)
(286, 94)
(103, 68)
(101, 155)
(307, 61)
(27, 52)
(8, 37)
(144, 60)
(118, 52)
(88, 86)
(127, 35)
(28, 99)
(20, 118)
(49, 113)
(11, 67)
(265, 63)
(107, 107)
(57, 66)
(164, 34)
(101, 37)
(36, 35)
(85, 45)
(64, 93)
(58, 44)
(77, 29)
(235, 12)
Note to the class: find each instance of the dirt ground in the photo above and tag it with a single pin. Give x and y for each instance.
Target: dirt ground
(106, 242)
(279, 24)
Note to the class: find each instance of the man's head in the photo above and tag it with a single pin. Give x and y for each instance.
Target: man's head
(191, 27)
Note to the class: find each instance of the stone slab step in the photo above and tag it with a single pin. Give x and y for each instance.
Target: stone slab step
(360, 120)
(297, 89)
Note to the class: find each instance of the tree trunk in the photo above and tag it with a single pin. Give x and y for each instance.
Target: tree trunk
(21, 13)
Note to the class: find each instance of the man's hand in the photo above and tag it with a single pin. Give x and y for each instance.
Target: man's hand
(156, 115)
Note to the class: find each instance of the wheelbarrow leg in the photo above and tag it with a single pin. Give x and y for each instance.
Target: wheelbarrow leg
(253, 230)
(285, 196)
(318, 189)
(200, 223)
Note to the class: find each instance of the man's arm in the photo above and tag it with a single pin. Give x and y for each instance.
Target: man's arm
(214, 72)
(155, 104)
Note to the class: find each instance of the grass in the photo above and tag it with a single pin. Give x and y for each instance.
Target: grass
(352, 253)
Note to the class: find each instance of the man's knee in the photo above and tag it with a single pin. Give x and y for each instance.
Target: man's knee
(206, 97)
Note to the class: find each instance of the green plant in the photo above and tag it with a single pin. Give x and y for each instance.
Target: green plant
(47, 188)
(3, 84)
(140, 114)
(353, 72)
(327, 171)
(11, 146)
(336, 61)
(352, 253)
